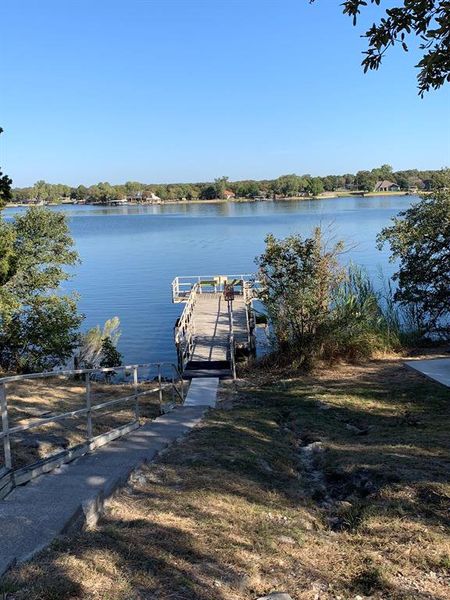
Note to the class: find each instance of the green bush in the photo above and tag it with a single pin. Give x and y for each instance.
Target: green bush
(319, 310)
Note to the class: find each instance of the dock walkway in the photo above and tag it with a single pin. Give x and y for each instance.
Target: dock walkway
(212, 327)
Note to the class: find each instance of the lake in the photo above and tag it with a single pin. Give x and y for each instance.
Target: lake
(131, 254)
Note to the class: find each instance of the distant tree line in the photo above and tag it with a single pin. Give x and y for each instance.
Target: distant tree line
(287, 186)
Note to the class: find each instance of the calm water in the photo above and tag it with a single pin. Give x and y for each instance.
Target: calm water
(131, 254)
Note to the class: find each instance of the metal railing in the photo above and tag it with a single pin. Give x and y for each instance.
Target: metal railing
(187, 288)
(185, 328)
(182, 286)
(165, 376)
(231, 343)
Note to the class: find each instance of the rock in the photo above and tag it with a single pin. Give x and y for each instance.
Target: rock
(313, 448)
(276, 596)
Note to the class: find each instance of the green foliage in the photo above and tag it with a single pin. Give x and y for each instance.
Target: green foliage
(365, 180)
(41, 335)
(247, 189)
(361, 321)
(38, 327)
(220, 185)
(419, 239)
(111, 357)
(427, 19)
(319, 310)
(314, 186)
(298, 279)
(383, 172)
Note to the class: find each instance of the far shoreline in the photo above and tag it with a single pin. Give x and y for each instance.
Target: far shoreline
(323, 196)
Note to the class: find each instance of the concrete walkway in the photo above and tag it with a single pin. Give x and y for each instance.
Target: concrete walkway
(31, 516)
(202, 392)
(437, 369)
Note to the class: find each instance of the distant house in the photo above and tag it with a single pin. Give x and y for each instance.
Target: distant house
(228, 194)
(144, 197)
(386, 186)
(150, 196)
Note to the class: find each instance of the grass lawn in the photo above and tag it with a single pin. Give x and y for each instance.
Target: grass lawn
(334, 486)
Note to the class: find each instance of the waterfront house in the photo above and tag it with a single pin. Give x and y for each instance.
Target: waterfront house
(386, 186)
(228, 194)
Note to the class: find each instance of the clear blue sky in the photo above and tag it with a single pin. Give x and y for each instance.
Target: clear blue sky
(188, 90)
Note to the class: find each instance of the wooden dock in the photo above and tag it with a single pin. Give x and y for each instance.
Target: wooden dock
(211, 330)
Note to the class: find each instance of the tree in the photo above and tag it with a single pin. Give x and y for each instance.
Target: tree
(420, 240)
(247, 189)
(80, 194)
(427, 19)
(298, 277)
(220, 185)
(383, 173)
(289, 185)
(365, 180)
(314, 186)
(38, 325)
(111, 357)
(440, 179)
(5, 187)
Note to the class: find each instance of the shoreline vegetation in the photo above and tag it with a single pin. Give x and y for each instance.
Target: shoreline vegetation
(323, 196)
(379, 181)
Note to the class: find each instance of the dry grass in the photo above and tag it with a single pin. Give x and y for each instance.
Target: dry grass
(245, 505)
(40, 398)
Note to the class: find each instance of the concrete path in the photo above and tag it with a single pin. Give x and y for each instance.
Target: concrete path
(202, 392)
(31, 516)
(437, 369)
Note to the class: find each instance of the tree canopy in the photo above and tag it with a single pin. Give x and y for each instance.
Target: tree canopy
(429, 20)
(420, 240)
(38, 325)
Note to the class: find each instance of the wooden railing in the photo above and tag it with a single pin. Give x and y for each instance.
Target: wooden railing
(166, 376)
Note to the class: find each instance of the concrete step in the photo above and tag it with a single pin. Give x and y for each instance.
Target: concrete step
(202, 392)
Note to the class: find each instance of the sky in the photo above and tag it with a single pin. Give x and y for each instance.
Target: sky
(189, 90)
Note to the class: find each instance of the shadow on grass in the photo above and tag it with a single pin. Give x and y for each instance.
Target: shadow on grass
(251, 454)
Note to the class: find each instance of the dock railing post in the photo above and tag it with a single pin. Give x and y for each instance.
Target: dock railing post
(5, 427)
(136, 397)
(87, 379)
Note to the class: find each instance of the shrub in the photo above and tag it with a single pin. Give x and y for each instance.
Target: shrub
(319, 310)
